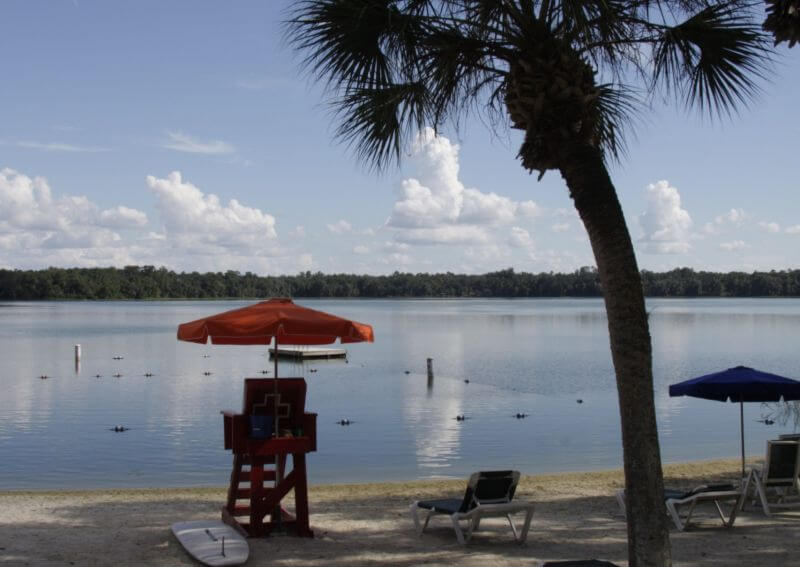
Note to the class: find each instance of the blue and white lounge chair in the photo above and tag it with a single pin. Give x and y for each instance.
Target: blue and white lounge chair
(716, 493)
(777, 484)
(489, 493)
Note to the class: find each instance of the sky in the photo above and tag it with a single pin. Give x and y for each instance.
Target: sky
(186, 135)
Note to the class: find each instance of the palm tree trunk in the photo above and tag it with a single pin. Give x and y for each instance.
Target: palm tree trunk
(595, 198)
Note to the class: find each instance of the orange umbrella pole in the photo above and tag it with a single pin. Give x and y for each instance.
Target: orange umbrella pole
(275, 387)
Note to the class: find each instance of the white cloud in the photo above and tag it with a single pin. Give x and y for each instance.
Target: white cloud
(445, 235)
(520, 238)
(120, 217)
(199, 222)
(734, 245)
(396, 259)
(734, 216)
(795, 229)
(361, 249)
(665, 223)
(434, 206)
(392, 247)
(181, 142)
(339, 227)
(61, 147)
(771, 227)
(30, 212)
(560, 227)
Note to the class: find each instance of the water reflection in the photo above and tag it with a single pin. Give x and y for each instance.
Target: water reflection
(531, 356)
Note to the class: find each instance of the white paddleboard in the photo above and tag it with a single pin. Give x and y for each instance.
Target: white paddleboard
(203, 540)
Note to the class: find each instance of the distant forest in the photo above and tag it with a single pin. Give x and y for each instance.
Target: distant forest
(148, 282)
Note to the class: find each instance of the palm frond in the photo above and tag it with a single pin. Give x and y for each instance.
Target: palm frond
(375, 121)
(617, 109)
(783, 21)
(713, 59)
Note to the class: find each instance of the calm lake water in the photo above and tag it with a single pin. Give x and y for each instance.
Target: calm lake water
(531, 356)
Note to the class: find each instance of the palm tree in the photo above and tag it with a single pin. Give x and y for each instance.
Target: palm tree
(559, 71)
(783, 21)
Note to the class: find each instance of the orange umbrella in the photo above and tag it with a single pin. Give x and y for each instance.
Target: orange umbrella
(280, 318)
(277, 318)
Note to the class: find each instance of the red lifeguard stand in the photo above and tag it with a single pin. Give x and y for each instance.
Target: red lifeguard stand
(259, 457)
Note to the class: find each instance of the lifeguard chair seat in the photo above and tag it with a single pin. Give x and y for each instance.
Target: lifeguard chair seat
(260, 457)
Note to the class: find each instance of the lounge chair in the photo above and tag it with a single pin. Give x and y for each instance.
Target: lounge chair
(578, 563)
(716, 493)
(778, 477)
(489, 493)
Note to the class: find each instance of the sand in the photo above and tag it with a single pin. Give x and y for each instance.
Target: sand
(576, 517)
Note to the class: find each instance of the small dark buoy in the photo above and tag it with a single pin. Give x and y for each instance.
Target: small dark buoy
(408, 372)
(119, 428)
(117, 357)
(521, 415)
(98, 375)
(466, 381)
(206, 355)
(148, 374)
(580, 401)
(265, 372)
(44, 377)
(117, 375)
(206, 373)
(344, 422)
(312, 369)
(461, 417)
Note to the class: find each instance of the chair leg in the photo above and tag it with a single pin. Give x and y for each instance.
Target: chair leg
(427, 519)
(457, 527)
(525, 526)
(762, 495)
(728, 522)
(513, 527)
(676, 517)
(745, 490)
(621, 502)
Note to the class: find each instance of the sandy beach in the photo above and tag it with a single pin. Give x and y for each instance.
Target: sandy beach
(576, 517)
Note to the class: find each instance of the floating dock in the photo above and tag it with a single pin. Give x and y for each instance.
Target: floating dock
(303, 353)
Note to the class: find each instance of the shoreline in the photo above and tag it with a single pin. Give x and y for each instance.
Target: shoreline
(676, 470)
(576, 517)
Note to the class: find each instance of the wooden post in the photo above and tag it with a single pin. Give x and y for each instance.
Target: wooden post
(430, 372)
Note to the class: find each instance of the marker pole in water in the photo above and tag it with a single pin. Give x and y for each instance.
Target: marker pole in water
(77, 358)
(430, 372)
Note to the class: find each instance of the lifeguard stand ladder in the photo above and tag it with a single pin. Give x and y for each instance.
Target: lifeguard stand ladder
(259, 458)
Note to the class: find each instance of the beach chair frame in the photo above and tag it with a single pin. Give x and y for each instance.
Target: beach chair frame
(703, 495)
(779, 475)
(478, 503)
(674, 500)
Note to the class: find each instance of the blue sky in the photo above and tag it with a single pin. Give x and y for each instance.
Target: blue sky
(184, 134)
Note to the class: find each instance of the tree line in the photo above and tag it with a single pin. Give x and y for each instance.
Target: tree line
(149, 282)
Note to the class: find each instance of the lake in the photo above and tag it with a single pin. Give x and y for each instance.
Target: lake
(532, 356)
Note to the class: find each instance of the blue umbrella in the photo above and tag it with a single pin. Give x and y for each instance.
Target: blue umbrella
(739, 384)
